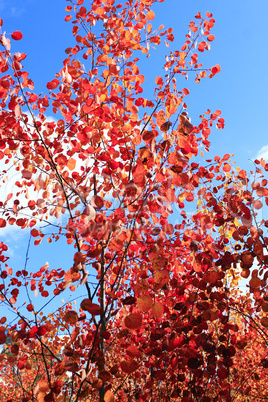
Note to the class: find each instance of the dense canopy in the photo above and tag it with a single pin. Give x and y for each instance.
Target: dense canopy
(161, 236)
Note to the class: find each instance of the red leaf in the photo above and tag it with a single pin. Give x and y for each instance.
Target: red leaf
(71, 317)
(133, 351)
(226, 167)
(71, 365)
(216, 69)
(2, 335)
(30, 307)
(52, 85)
(42, 330)
(129, 366)
(202, 46)
(16, 35)
(33, 331)
(133, 321)
(92, 308)
(222, 373)
(186, 91)
(97, 202)
(15, 349)
(264, 321)
(2, 223)
(210, 38)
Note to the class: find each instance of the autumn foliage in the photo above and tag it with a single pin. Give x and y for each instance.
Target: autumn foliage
(161, 236)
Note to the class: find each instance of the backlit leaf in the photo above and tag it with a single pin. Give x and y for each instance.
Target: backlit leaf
(161, 277)
(157, 310)
(71, 164)
(144, 303)
(129, 366)
(133, 321)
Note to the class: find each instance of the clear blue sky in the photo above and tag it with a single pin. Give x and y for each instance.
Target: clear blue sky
(239, 91)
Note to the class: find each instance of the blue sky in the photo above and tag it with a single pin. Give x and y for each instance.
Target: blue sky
(239, 91)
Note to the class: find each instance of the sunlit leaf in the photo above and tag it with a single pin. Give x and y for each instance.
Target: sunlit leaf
(16, 35)
(145, 303)
(157, 310)
(133, 321)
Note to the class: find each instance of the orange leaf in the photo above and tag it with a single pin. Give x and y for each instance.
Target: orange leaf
(255, 282)
(144, 303)
(43, 386)
(109, 396)
(159, 81)
(71, 365)
(226, 167)
(71, 164)
(158, 263)
(211, 276)
(161, 118)
(157, 310)
(133, 321)
(210, 38)
(161, 277)
(59, 368)
(148, 136)
(75, 334)
(150, 15)
(165, 126)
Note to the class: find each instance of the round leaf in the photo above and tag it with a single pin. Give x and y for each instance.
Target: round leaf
(157, 310)
(133, 321)
(16, 35)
